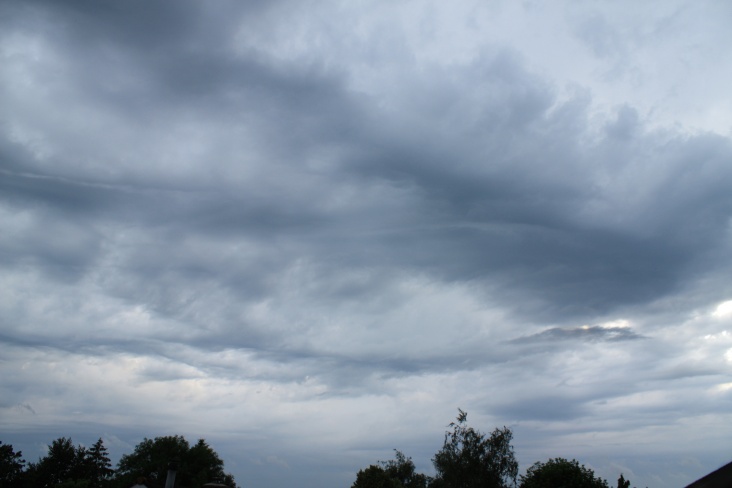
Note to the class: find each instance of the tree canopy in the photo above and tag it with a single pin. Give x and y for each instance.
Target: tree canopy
(397, 473)
(196, 465)
(11, 465)
(561, 473)
(64, 465)
(69, 466)
(470, 459)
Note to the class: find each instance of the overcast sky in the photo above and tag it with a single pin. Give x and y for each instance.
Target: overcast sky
(309, 231)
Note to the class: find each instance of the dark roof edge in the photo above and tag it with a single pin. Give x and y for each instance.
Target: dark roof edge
(720, 478)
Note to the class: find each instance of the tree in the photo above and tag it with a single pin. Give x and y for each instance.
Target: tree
(622, 482)
(375, 477)
(64, 464)
(196, 465)
(560, 472)
(69, 466)
(11, 466)
(402, 469)
(205, 465)
(396, 473)
(469, 459)
(97, 465)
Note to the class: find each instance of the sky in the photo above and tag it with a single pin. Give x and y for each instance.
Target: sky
(309, 231)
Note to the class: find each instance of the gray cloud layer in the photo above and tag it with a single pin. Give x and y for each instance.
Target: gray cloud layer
(330, 219)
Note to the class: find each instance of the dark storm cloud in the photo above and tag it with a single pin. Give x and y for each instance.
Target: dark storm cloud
(502, 222)
(301, 216)
(481, 199)
(550, 408)
(139, 25)
(592, 333)
(72, 197)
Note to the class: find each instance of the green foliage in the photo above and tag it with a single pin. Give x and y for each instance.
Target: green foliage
(561, 473)
(151, 459)
(75, 484)
(196, 465)
(69, 466)
(375, 477)
(11, 466)
(97, 465)
(622, 482)
(396, 473)
(64, 463)
(470, 459)
(402, 469)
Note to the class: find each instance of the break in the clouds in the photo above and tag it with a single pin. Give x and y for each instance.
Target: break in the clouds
(309, 231)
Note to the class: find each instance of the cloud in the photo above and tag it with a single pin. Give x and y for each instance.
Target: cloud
(585, 332)
(318, 230)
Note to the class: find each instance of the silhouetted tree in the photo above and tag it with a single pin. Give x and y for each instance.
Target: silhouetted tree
(396, 473)
(97, 465)
(11, 466)
(375, 477)
(469, 459)
(205, 465)
(63, 465)
(196, 465)
(622, 482)
(561, 472)
(402, 469)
